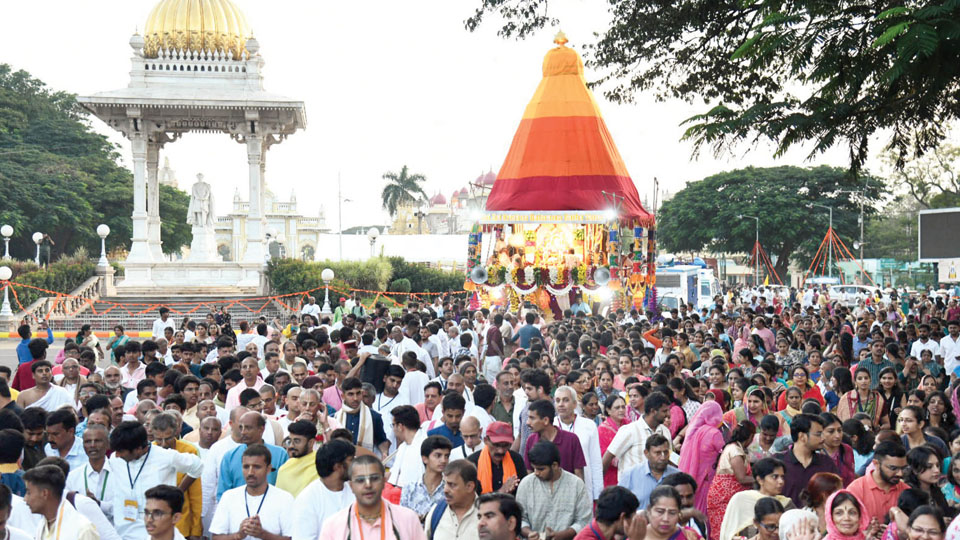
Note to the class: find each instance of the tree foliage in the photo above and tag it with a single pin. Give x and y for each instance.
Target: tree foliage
(288, 276)
(817, 72)
(933, 181)
(893, 232)
(704, 214)
(60, 177)
(402, 188)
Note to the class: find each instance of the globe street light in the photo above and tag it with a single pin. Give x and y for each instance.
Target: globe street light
(7, 232)
(5, 274)
(103, 230)
(327, 277)
(37, 238)
(372, 235)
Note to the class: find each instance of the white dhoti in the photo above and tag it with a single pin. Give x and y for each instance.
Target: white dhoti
(55, 398)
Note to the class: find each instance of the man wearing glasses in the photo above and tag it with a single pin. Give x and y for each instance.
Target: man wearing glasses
(880, 489)
(162, 512)
(371, 516)
(499, 469)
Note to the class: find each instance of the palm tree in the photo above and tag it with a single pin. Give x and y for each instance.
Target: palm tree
(402, 188)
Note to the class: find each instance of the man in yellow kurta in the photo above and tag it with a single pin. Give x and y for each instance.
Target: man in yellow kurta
(301, 468)
(165, 428)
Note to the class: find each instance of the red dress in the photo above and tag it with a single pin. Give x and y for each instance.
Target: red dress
(724, 486)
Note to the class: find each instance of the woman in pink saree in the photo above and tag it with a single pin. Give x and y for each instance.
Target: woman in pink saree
(616, 408)
(701, 447)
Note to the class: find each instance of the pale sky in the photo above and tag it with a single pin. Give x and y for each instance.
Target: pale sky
(385, 83)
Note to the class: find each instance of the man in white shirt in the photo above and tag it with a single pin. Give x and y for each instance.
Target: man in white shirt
(45, 486)
(565, 399)
(924, 343)
(311, 308)
(629, 443)
(147, 466)
(257, 508)
(407, 465)
(211, 465)
(327, 495)
(164, 509)
(8, 531)
(949, 353)
(484, 397)
(387, 400)
(412, 386)
(472, 434)
(165, 321)
(62, 443)
(92, 476)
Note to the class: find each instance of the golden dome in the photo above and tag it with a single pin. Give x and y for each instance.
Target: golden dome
(196, 25)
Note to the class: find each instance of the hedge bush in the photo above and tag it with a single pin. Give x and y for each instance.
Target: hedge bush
(288, 276)
(424, 279)
(64, 275)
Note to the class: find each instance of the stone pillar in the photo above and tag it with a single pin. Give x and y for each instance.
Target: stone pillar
(254, 252)
(139, 248)
(153, 201)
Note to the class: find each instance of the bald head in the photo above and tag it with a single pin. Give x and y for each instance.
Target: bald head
(470, 424)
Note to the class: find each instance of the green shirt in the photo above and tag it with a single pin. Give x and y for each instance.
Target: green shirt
(501, 413)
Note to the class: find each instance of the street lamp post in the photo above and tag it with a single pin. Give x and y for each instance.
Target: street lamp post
(103, 231)
(830, 240)
(756, 256)
(5, 274)
(327, 276)
(7, 232)
(37, 238)
(372, 235)
(863, 196)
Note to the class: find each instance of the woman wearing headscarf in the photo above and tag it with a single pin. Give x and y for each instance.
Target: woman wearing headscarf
(703, 442)
(846, 518)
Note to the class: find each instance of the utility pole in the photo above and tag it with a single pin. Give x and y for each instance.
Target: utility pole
(340, 201)
(756, 250)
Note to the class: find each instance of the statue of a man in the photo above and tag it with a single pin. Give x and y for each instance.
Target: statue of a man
(200, 211)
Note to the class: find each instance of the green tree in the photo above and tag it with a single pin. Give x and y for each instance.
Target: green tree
(402, 188)
(892, 232)
(60, 177)
(704, 214)
(809, 71)
(933, 180)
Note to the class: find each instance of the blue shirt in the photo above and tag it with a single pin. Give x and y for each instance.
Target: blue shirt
(23, 352)
(860, 345)
(353, 425)
(526, 332)
(231, 468)
(642, 483)
(444, 431)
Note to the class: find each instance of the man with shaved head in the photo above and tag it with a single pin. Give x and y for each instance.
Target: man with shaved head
(250, 371)
(251, 427)
(212, 461)
(472, 435)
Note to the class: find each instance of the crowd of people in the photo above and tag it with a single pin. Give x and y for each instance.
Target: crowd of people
(767, 416)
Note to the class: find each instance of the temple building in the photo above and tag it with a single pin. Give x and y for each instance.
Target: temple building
(292, 235)
(443, 215)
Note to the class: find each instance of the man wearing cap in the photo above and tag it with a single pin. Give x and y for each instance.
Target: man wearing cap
(498, 468)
